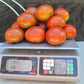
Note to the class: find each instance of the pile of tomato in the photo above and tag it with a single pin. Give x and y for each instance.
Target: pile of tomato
(37, 24)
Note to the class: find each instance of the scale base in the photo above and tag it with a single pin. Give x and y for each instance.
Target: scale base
(43, 53)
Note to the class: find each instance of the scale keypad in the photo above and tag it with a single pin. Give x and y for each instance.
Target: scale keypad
(70, 67)
(58, 66)
(48, 65)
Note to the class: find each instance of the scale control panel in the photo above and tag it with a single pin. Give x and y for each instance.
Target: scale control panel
(48, 66)
(58, 66)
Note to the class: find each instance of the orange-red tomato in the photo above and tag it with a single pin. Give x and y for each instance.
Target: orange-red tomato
(14, 35)
(25, 20)
(55, 35)
(42, 24)
(35, 34)
(56, 21)
(62, 13)
(70, 31)
(14, 25)
(31, 10)
(44, 12)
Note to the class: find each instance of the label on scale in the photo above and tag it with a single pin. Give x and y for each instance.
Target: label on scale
(60, 66)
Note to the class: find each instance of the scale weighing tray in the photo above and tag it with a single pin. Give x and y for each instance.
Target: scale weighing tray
(68, 44)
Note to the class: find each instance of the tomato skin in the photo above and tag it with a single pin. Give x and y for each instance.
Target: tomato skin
(70, 31)
(14, 25)
(44, 12)
(35, 34)
(55, 36)
(56, 21)
(62, 13)
(14, 35)
(31, 10)
(25, 20)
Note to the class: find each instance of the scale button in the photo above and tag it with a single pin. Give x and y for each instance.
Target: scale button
(44, 64)
(52, 61)
(44, 60)
(48, 68)
(50, 72)
(70, 61)
(44, 68)
(70, 68)
(48, 64)
(48, 60)
(71, 72)
(45, 72)
(68, 72)
(52, 64)
(70, 64)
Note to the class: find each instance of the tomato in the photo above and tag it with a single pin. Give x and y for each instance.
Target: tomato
(31, 10)
(62, 13)
(14, 25)
(14, 35)
(55, 35)
(56, 21)
(44, 12)
(70, 31)
(25, 20)
(35, 34)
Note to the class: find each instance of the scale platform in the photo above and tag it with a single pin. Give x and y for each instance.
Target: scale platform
(68, 44)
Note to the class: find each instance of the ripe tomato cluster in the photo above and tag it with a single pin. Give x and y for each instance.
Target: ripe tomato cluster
(38, 24)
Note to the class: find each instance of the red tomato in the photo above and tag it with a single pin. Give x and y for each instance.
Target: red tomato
(35, 34)
(25, 20)
(62, 13)
(14, 25)
(55, 35)
(14, 35)
(31, 10)
(70, 31)
(44, 12)
(56, 21)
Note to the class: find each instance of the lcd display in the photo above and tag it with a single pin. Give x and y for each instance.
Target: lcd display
(18, 65)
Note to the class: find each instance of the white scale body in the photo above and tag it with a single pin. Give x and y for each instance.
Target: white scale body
(40, 62)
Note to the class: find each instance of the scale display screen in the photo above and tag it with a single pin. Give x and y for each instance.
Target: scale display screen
(58, 66)
(19, 65)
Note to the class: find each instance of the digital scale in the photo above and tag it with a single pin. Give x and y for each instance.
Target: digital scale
(40, 61)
